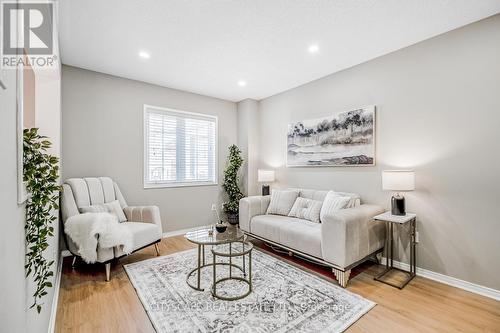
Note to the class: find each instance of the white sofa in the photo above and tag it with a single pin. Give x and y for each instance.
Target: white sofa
(341, 241)
(144, 222)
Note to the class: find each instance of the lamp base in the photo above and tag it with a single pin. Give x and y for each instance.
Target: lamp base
(398, 205)
(265, 190)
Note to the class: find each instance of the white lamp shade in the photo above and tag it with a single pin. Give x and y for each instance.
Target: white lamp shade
(265, 176)
(398, 180)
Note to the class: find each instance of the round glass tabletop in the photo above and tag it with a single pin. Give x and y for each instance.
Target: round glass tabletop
(203, 236)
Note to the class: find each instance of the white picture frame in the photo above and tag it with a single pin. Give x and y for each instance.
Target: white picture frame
(22, 193)
(306, 147)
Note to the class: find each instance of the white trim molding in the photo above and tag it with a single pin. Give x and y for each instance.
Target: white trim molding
(55, 298)
(451, 281)
(182, 231)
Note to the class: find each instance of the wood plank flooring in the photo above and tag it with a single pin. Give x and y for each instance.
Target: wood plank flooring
(87, 303)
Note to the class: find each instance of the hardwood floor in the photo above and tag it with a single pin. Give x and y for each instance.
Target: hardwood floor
(87, 303)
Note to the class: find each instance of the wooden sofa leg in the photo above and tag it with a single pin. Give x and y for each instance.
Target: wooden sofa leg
(157, 249)
(342, 276)
(108, 270)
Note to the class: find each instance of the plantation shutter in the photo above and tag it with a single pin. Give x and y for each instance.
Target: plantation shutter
(180, 148)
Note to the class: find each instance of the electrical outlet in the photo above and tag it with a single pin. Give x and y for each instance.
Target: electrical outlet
(417, 237)
(214, 207)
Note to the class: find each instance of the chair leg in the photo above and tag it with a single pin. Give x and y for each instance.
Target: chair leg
(157, 249)
(342, 276)
(108, 270)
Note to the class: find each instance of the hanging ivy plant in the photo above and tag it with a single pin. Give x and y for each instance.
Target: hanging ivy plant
(231, 180)
(40, 174)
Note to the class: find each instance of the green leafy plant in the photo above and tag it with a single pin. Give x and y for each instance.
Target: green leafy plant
(40, 174)
(231, 185)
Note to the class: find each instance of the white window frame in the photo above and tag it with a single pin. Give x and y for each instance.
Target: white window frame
(147, 184)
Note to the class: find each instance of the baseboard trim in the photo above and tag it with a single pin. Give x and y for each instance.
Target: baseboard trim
(181, 231)
(451, 281)
(55, 298)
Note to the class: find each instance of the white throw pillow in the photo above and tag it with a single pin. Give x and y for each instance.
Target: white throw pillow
(354, 199)
(307, 209)
(281, 202)
(115, 208)
(112, 207)
(333, 202)
(93, 209)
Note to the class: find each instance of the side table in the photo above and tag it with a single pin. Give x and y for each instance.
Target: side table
(401, 220)
(245, 249)
(204, 237)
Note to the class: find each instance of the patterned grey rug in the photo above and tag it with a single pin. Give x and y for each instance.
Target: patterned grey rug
(284, 298)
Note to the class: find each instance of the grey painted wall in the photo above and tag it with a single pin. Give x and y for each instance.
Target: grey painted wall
(248, 141)
(438, 112)
(103, 136)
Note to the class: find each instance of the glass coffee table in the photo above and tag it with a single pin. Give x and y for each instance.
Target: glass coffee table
(203, 237)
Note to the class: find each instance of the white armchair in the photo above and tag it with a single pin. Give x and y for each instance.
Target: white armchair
(144, 222)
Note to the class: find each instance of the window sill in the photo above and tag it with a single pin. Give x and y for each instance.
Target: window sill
(174, 185)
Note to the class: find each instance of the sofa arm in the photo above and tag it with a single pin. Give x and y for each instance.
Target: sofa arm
(147, 214)
(250, 207)
(351, 234)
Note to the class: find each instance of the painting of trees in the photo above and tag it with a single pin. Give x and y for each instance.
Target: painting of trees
(346, 138)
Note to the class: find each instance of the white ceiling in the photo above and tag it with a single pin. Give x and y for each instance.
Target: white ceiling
(207, 46)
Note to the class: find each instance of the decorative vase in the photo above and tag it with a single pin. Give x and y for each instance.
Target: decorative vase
(233, 218)
(220, 227)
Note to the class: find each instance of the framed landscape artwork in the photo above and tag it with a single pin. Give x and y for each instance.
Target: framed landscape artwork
(343, 139)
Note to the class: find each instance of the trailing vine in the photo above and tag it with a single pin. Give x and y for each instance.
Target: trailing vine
(231, 180)
(40, 174)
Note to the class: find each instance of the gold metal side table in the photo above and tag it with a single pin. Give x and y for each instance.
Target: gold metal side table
(204, 237)
(236, 249)
(389, 253)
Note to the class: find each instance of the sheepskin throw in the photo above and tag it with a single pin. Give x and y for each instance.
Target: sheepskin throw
(92, 229)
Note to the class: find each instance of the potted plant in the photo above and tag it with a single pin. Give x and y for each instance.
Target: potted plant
(231, 185)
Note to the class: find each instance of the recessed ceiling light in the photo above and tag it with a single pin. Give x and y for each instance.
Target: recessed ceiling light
(144, 55)
(313, 48)
(242, 83)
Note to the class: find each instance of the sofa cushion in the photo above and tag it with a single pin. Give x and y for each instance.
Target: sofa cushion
(313, 194)
(306, 209)
(333, 202)
(354, 199)
(115, 209)
(112, 207)
(142, 234)
(268, 226)
(282, 202)
(93, 209)
(321, 195)
(302, 235)
(297, 234)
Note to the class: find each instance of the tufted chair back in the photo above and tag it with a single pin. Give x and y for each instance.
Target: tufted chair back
(82, 192)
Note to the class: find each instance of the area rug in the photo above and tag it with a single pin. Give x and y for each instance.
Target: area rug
(285, 298)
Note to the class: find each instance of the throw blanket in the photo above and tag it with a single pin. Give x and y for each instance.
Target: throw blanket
(90, 229)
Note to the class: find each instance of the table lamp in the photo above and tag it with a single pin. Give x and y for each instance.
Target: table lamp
(398, 181)
(265, 176)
